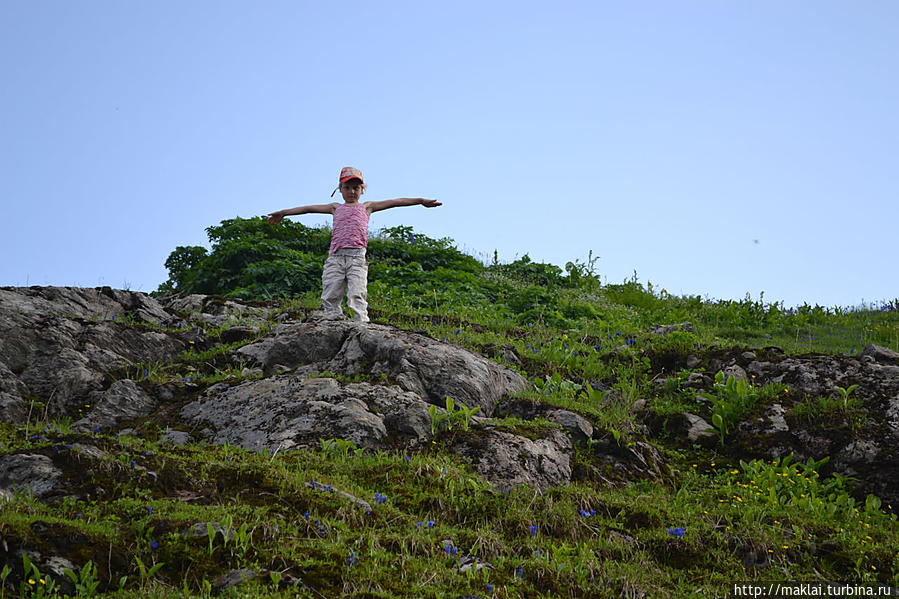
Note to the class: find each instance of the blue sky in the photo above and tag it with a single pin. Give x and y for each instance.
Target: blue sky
(715, 148)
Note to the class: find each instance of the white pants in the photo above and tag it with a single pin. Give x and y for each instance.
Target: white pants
(346, 273)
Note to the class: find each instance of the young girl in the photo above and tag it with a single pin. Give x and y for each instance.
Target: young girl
(346, 268)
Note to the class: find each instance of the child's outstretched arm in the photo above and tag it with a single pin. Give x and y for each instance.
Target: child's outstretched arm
(385, 204)
(277, 217)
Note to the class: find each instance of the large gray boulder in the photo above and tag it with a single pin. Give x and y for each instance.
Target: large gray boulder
(509, 460)
(424, 366)
(282, 412)
(33, 473)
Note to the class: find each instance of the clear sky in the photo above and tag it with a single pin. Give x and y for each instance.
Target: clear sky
(715, 148)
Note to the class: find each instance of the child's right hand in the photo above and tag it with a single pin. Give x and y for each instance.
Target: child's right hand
(275, 217)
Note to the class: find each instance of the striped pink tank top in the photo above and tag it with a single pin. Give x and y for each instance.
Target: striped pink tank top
(350, 227)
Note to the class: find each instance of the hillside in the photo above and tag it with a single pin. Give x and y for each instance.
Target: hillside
(599, 440)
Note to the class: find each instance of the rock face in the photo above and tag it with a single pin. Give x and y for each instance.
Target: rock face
(57, 344)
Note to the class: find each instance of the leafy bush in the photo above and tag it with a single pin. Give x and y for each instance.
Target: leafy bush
(535, 273)
(401, 245)
(253, 259)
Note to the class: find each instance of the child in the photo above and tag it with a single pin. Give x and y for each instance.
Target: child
(346, 268)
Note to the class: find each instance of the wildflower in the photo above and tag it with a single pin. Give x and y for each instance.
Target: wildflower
(519, 573)
(154, 545)
(149, 510)
(352, 560)
(533, 530)
(677, 532)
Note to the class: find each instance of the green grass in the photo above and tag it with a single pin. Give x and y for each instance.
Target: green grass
(575, 541)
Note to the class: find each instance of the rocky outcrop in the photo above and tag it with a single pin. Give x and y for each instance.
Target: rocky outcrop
(431, 369)
(860, 441)
(58, 344)
(284, 412)
(508, 460)
(34, 473)
(85, 354)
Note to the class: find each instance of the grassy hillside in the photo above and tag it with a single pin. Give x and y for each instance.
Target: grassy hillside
(707, 520)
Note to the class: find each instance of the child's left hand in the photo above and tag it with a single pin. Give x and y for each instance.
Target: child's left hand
(431, 203)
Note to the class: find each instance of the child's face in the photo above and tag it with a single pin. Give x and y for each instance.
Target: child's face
(351, 191)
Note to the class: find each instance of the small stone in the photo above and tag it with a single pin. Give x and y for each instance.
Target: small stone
(777, 416)
(575, 425)
(880, 353)
(232, 579)
(698, 429)
(179, 438)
